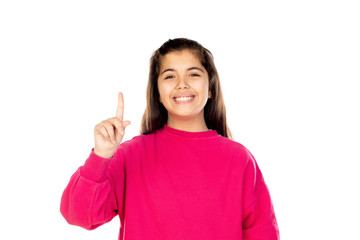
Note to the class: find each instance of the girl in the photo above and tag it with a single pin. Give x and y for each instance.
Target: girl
(183, 177)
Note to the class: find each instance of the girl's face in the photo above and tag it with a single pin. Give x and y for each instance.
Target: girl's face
(183, 85)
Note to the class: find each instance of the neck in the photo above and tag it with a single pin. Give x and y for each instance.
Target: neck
(189, 125)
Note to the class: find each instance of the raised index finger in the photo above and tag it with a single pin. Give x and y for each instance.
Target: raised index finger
(120, 107)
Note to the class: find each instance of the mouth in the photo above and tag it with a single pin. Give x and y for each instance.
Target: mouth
(184, 99)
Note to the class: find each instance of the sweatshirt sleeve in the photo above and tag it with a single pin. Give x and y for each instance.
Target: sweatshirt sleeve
(90, 200)
(259, 221)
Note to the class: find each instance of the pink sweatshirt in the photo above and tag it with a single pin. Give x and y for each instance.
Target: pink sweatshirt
(173, 184)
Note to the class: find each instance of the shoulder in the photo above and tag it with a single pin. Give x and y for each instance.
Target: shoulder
(137, 143)
(232, 145)
(133, 149)
(235, 149)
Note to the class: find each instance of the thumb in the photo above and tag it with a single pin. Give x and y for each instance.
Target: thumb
(126, 123)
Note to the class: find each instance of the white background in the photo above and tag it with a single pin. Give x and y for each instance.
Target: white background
(289, 72)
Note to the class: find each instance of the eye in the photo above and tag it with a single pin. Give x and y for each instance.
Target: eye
(194, 75)
(169, 77)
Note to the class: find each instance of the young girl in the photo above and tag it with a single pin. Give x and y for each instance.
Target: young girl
(183, 177)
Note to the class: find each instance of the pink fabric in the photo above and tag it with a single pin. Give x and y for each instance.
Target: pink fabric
(174, 185)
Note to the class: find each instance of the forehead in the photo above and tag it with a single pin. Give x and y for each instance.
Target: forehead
(183, 58)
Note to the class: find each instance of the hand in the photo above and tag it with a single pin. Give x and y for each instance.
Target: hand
(110, 132)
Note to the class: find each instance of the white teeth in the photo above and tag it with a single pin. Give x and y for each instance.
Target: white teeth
(183, 99)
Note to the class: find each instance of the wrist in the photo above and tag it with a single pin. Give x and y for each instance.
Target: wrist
(103, 154)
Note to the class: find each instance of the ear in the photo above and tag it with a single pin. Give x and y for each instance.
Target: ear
(209, 95)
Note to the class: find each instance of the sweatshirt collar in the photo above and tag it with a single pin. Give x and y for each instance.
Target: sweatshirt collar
(173, 131)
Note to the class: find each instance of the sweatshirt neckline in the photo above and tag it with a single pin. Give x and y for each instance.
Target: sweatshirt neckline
(173, 131)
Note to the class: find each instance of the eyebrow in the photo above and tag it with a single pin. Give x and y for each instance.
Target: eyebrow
(191, 68)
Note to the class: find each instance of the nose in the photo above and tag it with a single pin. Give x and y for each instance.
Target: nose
(182, 83)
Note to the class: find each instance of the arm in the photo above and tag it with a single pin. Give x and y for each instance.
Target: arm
(259, 221)
(89, 200)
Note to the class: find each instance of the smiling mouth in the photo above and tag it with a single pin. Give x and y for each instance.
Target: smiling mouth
(183, 99)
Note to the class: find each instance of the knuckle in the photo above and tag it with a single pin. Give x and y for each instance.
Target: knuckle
(108, 125)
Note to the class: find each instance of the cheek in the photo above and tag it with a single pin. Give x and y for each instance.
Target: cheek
(203, 87)
(160, 95)
(162, 92)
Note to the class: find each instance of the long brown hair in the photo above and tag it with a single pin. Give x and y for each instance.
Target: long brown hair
(155, 115)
